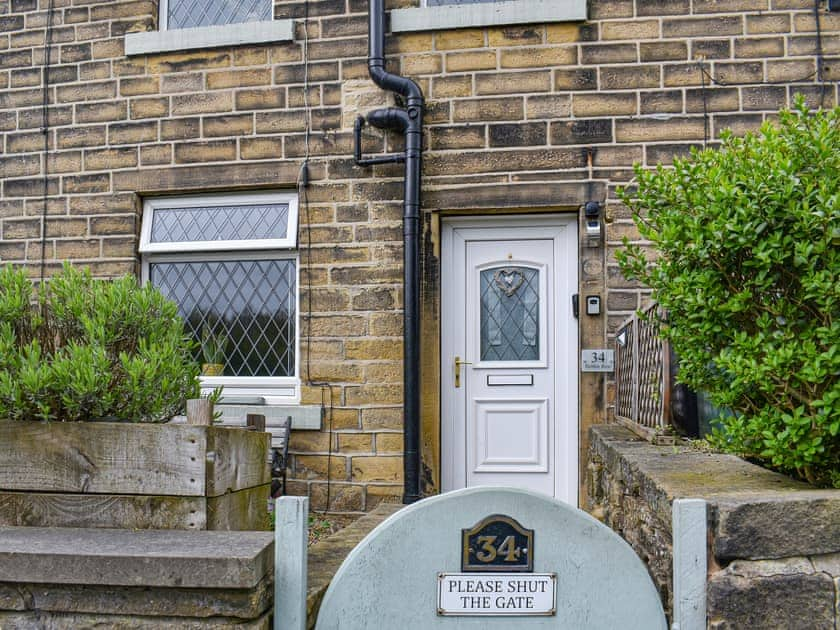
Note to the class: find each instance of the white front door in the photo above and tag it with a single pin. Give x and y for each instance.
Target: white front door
(509, 354)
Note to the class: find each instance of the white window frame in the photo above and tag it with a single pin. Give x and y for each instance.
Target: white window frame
(267, 390)
(214, 200)
(241, 33)
(482, 14)
(163, 17)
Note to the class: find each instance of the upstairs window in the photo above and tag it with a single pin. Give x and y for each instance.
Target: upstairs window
(175, 14)
(199, 24)
(440, 15)
(229, 263)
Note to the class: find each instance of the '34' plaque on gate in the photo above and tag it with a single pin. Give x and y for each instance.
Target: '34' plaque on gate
(497, 543)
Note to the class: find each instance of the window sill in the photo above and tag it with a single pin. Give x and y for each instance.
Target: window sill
(304, 417)
(209, 37)
(487, 14)
(242, 390)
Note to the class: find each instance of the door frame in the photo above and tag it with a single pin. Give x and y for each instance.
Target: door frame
(566, 444)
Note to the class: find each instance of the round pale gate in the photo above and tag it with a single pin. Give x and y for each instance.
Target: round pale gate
(492, 558)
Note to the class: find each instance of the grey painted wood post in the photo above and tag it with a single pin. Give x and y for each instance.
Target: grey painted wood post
(291, 535)
(690, 564)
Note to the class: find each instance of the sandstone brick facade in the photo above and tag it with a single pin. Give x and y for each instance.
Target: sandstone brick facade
(540, 117)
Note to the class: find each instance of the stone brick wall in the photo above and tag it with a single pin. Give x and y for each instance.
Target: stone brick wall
(774, 543)
(65, 578)
(538, 117)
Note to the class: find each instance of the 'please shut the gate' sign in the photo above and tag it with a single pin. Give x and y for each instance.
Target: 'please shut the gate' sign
(509, 594)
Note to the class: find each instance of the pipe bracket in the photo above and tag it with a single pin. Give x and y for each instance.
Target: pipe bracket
(394, 158)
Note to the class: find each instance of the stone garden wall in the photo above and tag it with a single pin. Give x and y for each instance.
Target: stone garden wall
(774, 544)
(64, 578)
(69, 578)
(534, 118)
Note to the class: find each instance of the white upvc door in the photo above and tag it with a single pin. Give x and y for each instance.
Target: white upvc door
(509, 412)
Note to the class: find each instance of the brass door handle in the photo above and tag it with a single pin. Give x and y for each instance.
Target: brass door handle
(458, 364)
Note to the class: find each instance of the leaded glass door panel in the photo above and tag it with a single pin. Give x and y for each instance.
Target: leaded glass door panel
(509, 313)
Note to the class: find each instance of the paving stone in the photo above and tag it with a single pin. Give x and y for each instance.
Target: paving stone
(326, 556)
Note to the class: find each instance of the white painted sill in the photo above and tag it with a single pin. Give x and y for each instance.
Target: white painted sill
(209, 37)
(487, 14)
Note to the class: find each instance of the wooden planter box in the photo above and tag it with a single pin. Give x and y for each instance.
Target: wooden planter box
(139, 476)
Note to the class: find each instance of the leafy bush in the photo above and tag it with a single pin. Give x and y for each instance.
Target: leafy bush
(87, 349)
(748, 270)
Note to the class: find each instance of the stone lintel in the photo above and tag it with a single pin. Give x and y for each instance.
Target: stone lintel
(210, 177)
(526, 195)
(153, 558)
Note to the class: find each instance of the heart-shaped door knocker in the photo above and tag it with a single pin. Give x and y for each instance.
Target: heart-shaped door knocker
(508, 279)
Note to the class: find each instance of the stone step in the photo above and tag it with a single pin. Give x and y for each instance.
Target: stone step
(152, 558)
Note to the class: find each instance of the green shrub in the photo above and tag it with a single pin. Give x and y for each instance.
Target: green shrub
(748, 270)
(87, 349)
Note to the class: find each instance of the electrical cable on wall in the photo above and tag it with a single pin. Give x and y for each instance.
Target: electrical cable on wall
(45, 129)
(818, 73)
(303, 186)
(820, 52)
(705, 106)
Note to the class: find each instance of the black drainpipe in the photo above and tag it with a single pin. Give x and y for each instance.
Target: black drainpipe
(409, 121)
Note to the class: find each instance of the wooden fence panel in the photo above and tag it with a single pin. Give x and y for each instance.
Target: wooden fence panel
(643, 374)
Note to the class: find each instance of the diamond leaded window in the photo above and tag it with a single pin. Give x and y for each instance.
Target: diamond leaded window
(228, 262)
(175, 14)
(510, 314)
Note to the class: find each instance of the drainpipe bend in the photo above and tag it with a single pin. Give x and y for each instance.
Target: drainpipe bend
(410, 121)
(389, 118)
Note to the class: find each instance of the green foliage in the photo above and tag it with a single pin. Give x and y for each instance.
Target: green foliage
(748, 270)
(215, 396)
(87, 349)
(214, 346)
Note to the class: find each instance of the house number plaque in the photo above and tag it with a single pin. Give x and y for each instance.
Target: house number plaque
(497, 543)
